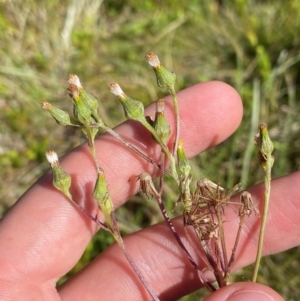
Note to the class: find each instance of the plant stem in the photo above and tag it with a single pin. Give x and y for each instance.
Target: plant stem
(203, 258)
(184, 249)
(130, 146)
(93, 218)
(266, 160)
(119, 240)
(268, 168)
(237, 238)
(164, 148)
(222, 238)
(177, 119)
(91, 143)
(169, 222)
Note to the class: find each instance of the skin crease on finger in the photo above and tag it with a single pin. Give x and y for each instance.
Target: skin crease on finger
(245, 291)
(166, 267)
(44, 236)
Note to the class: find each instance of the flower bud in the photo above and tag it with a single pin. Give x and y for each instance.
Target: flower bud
(265, 146)
(82, 110)
(103, 198)
(161, 125)
(133, 109)
(61, 179)
(183, 163)
(165, 78)
(60, 116)
(92, 103)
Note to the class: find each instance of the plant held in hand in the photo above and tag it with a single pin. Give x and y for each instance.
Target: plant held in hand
(204, 206)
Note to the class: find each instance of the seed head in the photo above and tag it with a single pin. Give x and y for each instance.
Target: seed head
(116, 90)
(52, 158)
(153, 59)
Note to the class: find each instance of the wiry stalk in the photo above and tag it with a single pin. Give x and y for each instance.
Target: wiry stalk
(120, 242)
(148, 188)
(130, 146)
(177, 120)
(266, 160)
(263, 221)
(224, 258)
(237, 238)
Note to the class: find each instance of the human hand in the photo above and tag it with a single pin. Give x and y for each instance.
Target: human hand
(43, 235)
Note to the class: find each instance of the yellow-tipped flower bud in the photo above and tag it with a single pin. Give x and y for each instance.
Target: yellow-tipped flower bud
(61, 179)
(60, 116)
(165, 78)
(133, 109)
(183, 163)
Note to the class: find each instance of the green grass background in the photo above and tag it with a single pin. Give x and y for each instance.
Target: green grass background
(252, 45)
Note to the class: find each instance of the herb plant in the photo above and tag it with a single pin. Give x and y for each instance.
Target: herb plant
(204, 203)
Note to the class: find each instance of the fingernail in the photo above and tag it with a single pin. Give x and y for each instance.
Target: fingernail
(249, 295)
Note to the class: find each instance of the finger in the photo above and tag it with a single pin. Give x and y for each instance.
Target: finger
(209, 114)
(245, 291)
(166, 268)
(55, 234)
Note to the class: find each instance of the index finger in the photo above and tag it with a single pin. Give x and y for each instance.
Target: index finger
(48, 227)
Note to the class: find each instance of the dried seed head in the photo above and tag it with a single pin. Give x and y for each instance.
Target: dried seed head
(46, 105)
(153, 59)
(247, 204)
(160, 106)
(206, 188)
(74, 86)
(116, 90)
(52, 158)
(146, 185)
(73, 91)
(165, 78)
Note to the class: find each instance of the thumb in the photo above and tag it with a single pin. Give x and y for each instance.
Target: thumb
(244, 291)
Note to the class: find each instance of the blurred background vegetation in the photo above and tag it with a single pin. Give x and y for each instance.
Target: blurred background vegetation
(252, 45)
